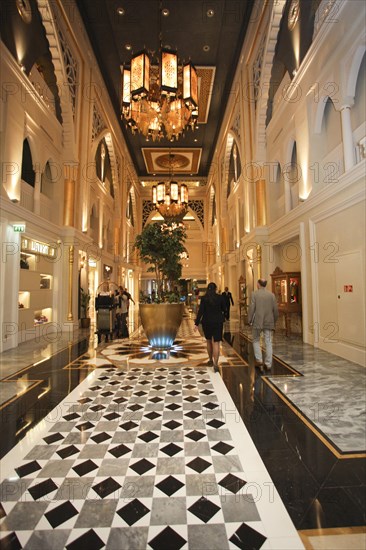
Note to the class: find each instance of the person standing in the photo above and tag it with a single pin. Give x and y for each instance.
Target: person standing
(228, 301)
(262, 316)
(123, 313)
(211, 313)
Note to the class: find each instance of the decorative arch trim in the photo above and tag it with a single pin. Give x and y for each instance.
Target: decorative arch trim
(131, 190)
(48, 19)
(354, 70)
(269, 52)
(106, 135)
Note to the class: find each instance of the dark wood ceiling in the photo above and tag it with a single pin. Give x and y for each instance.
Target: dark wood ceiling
(212, 42)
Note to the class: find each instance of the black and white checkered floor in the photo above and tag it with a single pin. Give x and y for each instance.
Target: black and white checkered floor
(142, 457)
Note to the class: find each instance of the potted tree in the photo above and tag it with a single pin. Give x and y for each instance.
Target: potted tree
(160, 245)
(84, 307)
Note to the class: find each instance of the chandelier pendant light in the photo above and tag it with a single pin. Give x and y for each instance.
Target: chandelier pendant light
(159, 96)
(171, 200)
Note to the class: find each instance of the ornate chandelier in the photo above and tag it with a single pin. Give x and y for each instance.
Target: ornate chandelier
(159, 97)
(170, 200)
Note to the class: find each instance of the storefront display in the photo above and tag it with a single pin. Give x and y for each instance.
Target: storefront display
(286, 286)
(35, 284)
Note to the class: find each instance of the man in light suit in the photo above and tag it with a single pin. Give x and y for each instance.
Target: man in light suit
(262, 316)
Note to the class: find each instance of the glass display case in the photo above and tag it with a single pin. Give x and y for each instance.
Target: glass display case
(286, 286)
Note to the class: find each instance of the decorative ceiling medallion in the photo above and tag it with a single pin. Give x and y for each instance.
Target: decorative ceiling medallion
(172, 161)
(25, 10)
(293, 14)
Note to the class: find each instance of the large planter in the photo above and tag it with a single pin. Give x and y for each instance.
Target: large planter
(161, 323)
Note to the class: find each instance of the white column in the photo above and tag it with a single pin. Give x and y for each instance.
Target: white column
(347, 136)
(287, 190)
(304, 286)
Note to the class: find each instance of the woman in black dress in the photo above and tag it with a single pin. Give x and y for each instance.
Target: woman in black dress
(211, 313)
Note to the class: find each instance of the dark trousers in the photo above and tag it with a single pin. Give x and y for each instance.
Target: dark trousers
(122, 325)
(227, 313)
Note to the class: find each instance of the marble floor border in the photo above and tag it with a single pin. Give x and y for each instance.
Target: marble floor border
(323, 438)
(327, 538)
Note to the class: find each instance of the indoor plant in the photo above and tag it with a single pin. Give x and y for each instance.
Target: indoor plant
(160, 245)
(84, 308)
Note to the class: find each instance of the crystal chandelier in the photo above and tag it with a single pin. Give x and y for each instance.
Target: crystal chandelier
(159, 96)
(170, 200)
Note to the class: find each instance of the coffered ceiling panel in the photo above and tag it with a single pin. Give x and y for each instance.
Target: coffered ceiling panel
(171, 161)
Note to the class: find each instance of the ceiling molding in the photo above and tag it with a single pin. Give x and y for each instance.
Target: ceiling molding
(184, 161)
(206, 77)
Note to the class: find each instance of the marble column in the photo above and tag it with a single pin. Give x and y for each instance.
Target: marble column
(70, 172)
(260, 189)
(70, 316)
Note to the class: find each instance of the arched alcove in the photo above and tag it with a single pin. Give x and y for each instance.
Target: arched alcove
(94, 223)
(276, 192)
(48, 181)
(331, 128)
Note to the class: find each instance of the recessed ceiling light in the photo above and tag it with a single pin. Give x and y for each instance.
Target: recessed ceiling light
(165, 12)
(210, 13)
(120, 11)
(206, 48)
(128, 47)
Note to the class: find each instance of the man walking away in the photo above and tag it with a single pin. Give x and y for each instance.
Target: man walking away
(263, 314)
(228, 302)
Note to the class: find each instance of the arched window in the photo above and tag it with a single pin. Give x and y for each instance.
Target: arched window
(103, 166)
(28, 174)
(213, 219)
(129, 212)
(294, 175)
(234, 168)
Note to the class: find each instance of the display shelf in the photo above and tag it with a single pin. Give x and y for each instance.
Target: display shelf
(23, 300)
(27, 261)
(42, 316)
(36, 295)
(45, 282)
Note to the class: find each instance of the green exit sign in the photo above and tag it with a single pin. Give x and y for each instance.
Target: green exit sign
(19, 227)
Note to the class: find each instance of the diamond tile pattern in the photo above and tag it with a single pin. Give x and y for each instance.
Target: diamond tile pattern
(129, 466)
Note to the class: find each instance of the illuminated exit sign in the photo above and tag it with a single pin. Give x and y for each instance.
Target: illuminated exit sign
(19, 227)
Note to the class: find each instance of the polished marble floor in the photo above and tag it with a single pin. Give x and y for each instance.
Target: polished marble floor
(160, 448)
